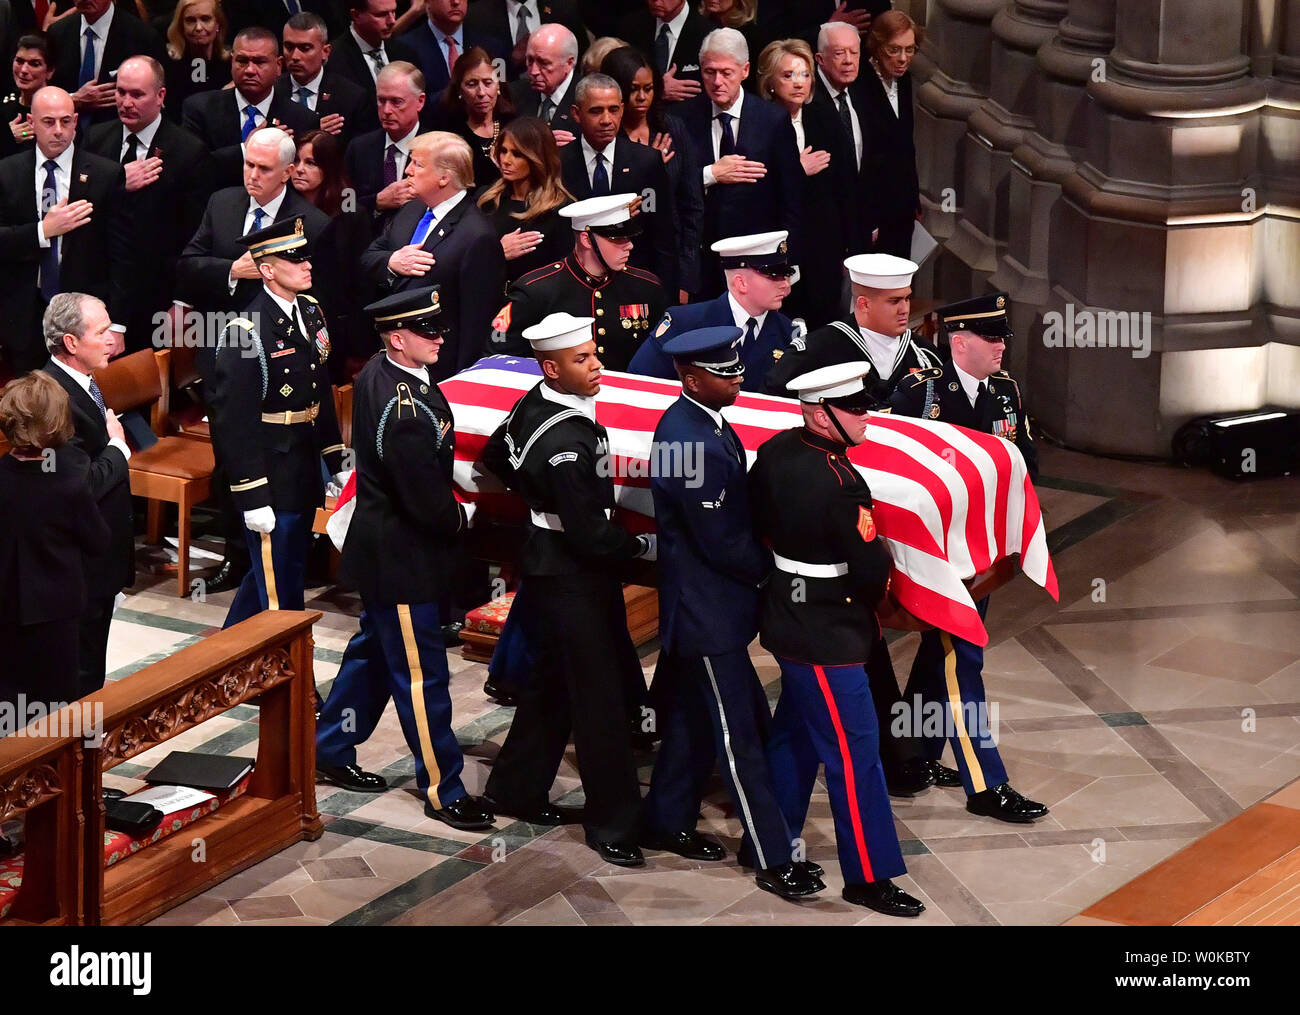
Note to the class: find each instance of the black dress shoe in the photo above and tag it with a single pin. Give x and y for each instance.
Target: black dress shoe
(884, 897)
(467, 814)
(621, 854)
(351, 777)
(548, 814)
(1005, 804)
(943, 775)
(909, 779)
(815, 869)
(224, 577)
(691, 845)
(499, 696)
(792, 881)
(451, 633)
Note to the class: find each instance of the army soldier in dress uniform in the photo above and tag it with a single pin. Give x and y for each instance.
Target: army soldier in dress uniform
(970, 390)
(550, 450)
(814, 510)
(272, 415)
(710, 569)
(594, 281)
(399, 554)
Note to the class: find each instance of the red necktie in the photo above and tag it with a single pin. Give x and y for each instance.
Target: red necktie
(452, 53)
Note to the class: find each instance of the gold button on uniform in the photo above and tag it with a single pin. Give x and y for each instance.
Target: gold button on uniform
(600, 312)
(600, 331)
(597, 294)
(600, 348)
(848, 599)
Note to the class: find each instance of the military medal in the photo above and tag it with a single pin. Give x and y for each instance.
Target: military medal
(934, 412)
(953, 385)
(323, 343)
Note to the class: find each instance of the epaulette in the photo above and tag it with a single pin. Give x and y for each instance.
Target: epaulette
(310, 298)
(537, 274)
(647, 276)
(921, 376)
(243, 322)
(1002, 375)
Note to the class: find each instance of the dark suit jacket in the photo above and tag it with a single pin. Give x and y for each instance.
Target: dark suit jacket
(470, 269)
(637, 169)
(529, 103)
(492, 18)
(128, 36)
(890, 187)
(338, 95)
(364, 162)
(735, 209)
(97, 258)
(163, 216)
(273, 14)
(109, 572)
(639, 30)
(801, 19)
(347, 59)
(431, 59)
(213, 117)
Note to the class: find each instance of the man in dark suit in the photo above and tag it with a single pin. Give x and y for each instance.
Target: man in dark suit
(514, 21)
(63, 227)
(167, 184)
(752, 176)
(376, 161)
(90, 47)
(839, 53)
(366, 47)
(441, 238)
(342, 106)
(546, 90)
(224, 119)
(79, 342)
(606, 161)
(275, 14)
(669, 32)
(442, 35)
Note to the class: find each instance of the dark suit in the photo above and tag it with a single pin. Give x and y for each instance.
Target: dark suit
(890, 188)
(433, 62)
(736, 209)
(801, 19)
(637, 169)
(339, 95)
(273, 14)
(96, 259)
(163, 216)
(470, 267)
(529, 103)
(213, 117)
(347, 59)
(364, 162)
(127, 36)
(109, 572)
(492, 18)
(639, 29)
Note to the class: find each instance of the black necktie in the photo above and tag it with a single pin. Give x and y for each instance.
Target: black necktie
(728, 143)
(981, 407)
(661, 48)
(733, 442)
(599, 177)
(846, 118)
(132, 147)
(751, 328)
(98, 397)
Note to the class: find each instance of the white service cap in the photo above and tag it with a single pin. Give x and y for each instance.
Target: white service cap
(881, 271)
(559, 331)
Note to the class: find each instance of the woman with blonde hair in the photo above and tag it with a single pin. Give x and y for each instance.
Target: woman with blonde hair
(597, 51)
(197, 57)
(525, 202)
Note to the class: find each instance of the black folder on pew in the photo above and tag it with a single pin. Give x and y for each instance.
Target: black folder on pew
(214, 772)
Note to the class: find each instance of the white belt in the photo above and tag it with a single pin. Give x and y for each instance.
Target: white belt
(810, 570)
(543, 520)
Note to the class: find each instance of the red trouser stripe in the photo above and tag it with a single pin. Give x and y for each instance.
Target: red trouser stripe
(850, 786)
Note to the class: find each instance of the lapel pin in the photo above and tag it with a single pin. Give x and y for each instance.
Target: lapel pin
(82, 177)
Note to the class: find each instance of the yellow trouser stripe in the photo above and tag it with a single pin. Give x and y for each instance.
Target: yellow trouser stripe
(416, 675)
(959, 714)
(268, 572)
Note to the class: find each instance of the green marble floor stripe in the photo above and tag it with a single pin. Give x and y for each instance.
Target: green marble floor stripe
(399, 900)
(160, 621)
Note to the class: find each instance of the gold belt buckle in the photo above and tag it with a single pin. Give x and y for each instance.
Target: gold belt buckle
(288, 417)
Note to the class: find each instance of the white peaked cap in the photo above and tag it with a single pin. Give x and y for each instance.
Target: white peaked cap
(834, 381)
(599, 211)
(559, 331)
(881, 271)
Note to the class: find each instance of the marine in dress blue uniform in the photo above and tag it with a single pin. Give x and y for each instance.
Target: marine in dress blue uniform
(400, 552)
(759, 274)
(814, 510)
(713, 708)
(972, 391)
(272, 415)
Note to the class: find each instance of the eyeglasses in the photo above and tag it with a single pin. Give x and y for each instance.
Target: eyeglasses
(795, 75)
(900, 50)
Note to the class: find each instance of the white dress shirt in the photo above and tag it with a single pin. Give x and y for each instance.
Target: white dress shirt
(269, 210)
(716, 130)
(62, 180)
(144, 135)
(835, 93)
(367, 49)
(100, 28)
(796, 122)
(890, 87)
(741, 316)
(674, 31)
(969, 383)
(531, 18)
(84, 381)
(421, 374)
(263, 108)
(291, 309)
(312, 86)
(589, 157)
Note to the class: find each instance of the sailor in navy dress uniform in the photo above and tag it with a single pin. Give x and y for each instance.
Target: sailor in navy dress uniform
(594, 281)
(399, 554)
(710, 569)
(970, 390)
(550, 449)
(759, 275)
(875, 332)
(814, 510)
(272, 416)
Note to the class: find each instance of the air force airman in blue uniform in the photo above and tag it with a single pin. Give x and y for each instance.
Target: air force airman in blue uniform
(710, 569)
(399, 554)
(758, 272)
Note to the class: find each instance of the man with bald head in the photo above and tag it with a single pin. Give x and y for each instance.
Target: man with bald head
(547, 88)
(63, 227)
(91, 46)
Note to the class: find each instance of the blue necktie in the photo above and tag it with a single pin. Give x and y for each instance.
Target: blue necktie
(728, 143)
(258, 217)
(98, 397)
(599, 178)
(87, 72)
(423, 229)
(50, 255)
(250, 122)
(302, 95)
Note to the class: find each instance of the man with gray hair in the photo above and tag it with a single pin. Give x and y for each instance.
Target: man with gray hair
(839, 54)
(79, 341)
(752, 176)
(547, 88)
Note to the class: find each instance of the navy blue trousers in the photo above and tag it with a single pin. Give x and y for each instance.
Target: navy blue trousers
(281, 554)
(948, 677)
(825, 715)
(712, 708)
(398, 653)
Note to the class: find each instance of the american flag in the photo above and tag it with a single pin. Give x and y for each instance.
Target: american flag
(949, 502)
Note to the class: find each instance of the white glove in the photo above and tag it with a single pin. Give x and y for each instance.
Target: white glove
(650, 550)
(260, 519)
(334, 488)
(469, 509)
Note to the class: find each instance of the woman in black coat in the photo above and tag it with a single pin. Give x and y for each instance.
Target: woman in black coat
(50, 522)
(197, 57)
